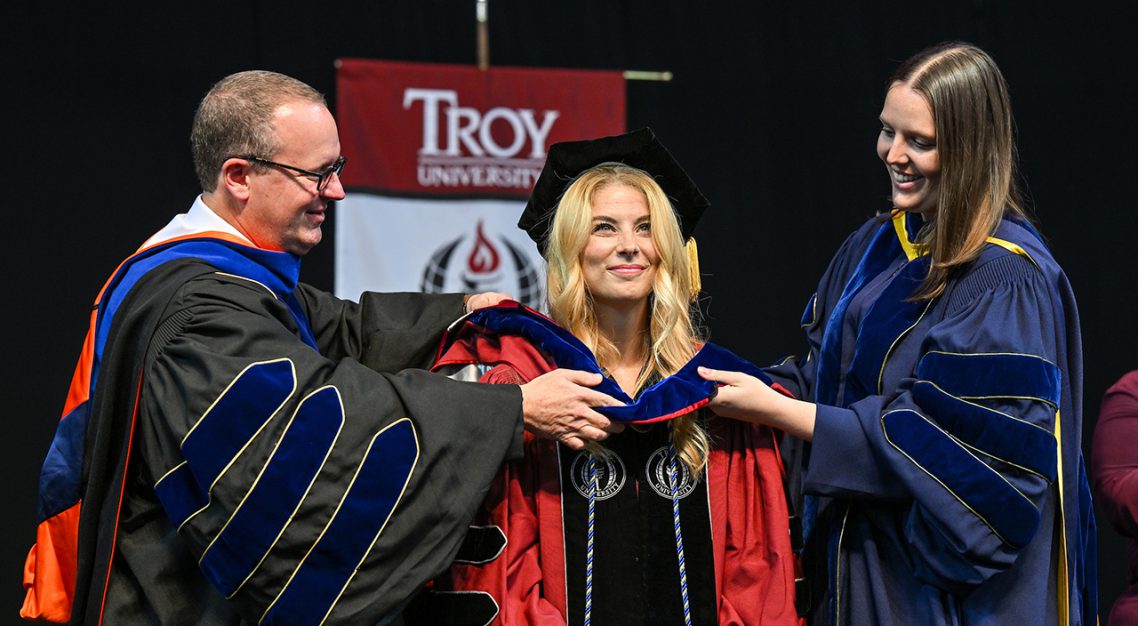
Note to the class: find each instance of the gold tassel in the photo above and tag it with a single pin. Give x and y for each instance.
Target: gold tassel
(693, 267)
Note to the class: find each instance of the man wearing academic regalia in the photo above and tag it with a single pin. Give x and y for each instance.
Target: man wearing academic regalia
(237, 447)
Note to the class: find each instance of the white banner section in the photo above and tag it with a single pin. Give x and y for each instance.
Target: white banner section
(435, 246)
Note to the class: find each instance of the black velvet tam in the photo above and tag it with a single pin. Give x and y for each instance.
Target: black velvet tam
(640, 149)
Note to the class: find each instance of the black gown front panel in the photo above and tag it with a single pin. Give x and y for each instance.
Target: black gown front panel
(636, 576)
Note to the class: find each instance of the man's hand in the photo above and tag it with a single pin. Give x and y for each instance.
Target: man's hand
(485, 299)
(559, 405)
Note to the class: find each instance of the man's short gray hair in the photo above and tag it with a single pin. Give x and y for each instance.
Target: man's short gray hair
(236, 118)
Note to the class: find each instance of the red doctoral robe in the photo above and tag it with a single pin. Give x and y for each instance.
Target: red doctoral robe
(525, 578)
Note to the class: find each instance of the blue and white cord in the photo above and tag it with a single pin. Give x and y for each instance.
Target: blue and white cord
(591, 466)
(679, 535)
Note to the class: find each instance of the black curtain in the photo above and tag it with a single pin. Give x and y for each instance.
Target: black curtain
(773, 109)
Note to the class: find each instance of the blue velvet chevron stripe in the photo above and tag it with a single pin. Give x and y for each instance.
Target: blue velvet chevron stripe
(222, 433)
(673, 396)
(277, 493)
(993, 375)
(891, 316)
(325, 572)
(995, 434)
(948, 380)
(981, 489)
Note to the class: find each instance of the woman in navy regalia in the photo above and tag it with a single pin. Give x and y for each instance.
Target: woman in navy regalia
(941, 395)
(680, 518)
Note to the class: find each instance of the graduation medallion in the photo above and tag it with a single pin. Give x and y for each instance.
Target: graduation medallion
(611, 474)
(656, 471)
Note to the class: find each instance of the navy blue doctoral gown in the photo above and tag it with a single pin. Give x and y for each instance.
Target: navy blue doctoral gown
(945, 483)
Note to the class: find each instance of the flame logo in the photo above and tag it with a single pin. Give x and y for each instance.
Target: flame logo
(483, 257)
(522, 276)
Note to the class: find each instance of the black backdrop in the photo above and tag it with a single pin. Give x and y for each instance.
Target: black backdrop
(773, 110)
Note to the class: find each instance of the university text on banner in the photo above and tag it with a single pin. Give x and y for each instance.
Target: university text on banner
(440, 161)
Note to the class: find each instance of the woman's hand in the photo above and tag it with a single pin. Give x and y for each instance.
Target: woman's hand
(748, 399)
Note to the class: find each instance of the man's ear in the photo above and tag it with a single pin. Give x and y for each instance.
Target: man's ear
(235, 178)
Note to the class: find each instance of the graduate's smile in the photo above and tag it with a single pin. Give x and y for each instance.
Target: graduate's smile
(628, 270)
(619, 260)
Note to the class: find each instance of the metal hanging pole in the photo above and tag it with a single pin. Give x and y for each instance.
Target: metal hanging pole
(642, 75)
(481, 11)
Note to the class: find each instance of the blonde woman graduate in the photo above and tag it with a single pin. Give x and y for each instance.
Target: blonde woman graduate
(681, 518)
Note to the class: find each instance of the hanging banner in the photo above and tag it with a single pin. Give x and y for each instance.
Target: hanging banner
(441, 159)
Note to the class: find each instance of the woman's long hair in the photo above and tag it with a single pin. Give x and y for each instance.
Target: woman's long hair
(974, 137)
(670, 335)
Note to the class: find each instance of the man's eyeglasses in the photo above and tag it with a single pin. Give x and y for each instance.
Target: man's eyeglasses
(322, 177)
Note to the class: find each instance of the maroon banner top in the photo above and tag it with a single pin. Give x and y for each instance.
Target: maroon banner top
(446, 130)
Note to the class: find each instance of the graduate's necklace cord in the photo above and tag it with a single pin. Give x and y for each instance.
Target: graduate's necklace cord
(679, 533)
(591, 465)
(591, 468)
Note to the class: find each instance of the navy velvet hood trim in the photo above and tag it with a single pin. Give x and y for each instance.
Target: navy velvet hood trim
(881, 251)
(277, 271)
(890, 317)
(672, 397)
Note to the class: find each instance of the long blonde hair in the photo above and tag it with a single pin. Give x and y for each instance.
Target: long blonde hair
(974, 137)
(671, 333)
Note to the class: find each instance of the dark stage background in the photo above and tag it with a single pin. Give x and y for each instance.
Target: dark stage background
(773, 110)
